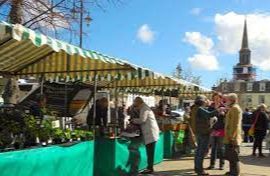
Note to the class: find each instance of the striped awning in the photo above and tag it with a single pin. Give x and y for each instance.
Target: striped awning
(25, 52)
(160, 82)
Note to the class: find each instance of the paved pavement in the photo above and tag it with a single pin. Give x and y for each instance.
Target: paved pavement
(250, 166)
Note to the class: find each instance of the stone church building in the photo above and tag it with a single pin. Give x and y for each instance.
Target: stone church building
(251, 92)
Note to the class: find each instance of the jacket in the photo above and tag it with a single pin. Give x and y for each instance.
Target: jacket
(101, 116)
(192, 120)
(262, 121)
(233, 125)
(219, 125)
(149, 125)
(203, 121)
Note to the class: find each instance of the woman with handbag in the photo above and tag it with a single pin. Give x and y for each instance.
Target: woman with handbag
(259, 126)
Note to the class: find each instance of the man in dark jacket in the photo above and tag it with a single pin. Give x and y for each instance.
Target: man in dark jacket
(203, 130)
(101, 113)
(246, 124)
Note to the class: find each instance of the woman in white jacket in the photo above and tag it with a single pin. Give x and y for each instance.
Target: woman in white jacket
(150, 131)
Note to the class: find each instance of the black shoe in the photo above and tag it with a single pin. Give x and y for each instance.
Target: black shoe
(147, 171)
(261, 156)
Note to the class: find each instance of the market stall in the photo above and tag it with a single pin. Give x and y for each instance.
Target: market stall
(54, 160)
(122, 156)
(175, 128)
(25, 53)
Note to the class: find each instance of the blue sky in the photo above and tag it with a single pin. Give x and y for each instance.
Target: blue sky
(202, 35)
(115, 32)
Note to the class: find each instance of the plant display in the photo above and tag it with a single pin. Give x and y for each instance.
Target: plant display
(19, 130)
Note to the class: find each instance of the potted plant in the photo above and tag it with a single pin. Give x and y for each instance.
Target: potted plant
(31, 131)
(46, 131)
(58, 136)
(89, 135)
(68, 135)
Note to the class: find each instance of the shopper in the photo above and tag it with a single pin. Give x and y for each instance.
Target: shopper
(260, 127)
(202, 126)
(246, 124)
(101, 119)
(150, 131)
(233, 138)
(216, 141)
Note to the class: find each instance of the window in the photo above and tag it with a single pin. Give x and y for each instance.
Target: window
(249, 87)
(237, 86)
(224, 87)
(249, 99)
(261, 99)
(262, 87)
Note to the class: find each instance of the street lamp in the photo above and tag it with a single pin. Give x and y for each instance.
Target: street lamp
(88, 19)
(80, 10)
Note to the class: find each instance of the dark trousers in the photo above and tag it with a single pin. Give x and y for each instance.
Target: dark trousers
(258, 136)
(203, 142)
(217, 150)
(150, 151)
(247, 137)
(232, 155)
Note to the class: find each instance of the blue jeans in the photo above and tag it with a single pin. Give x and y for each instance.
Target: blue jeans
(203, 143)
(217, 150)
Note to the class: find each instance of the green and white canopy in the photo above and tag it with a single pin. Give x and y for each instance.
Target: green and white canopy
(25, 52)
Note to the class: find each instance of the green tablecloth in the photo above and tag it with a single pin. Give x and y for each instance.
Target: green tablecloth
(119, 156)
(169, 142)
(76, 160)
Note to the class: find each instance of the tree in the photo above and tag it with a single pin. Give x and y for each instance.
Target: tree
(178, 71)
(186, 74)
(49, 16)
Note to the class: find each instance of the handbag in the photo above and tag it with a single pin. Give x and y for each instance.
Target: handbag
(252, 128)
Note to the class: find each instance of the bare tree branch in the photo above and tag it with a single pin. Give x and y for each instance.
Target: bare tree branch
(2, 2)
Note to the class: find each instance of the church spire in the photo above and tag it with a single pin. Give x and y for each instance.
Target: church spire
(244, 70)
(245, 37)
(244, 54)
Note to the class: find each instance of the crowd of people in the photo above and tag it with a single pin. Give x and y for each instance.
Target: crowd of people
(215, 124)
(218, 124)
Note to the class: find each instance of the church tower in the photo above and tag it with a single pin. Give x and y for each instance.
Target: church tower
(244, 70)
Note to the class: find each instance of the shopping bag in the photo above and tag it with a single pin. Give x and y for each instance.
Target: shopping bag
(251, 130)
(180, 137)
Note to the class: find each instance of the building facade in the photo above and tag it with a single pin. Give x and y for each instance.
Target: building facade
(251, 92)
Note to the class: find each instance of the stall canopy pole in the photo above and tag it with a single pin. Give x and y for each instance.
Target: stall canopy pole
(42, 98)
(116, 105)
(66, 94)
(95, 104)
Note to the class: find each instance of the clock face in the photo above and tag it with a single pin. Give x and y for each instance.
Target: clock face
(245, 70)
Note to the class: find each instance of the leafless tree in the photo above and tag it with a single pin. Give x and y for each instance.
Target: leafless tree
(48, 16)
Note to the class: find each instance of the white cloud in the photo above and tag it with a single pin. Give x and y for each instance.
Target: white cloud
(196, 11)
(205, 58)
(229, 29)
(204, 62)
(202, 43)
(145, 34)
